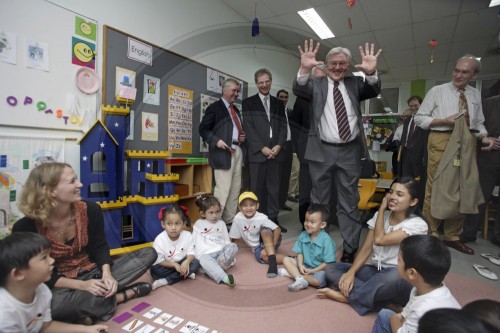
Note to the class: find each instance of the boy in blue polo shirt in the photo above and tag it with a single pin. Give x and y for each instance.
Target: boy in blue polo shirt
(315, 249)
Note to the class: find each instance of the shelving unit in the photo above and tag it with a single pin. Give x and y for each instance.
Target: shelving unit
(194, 179)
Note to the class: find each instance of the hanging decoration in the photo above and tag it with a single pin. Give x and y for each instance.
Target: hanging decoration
(350, 4)
(433, 43)
(255, 28)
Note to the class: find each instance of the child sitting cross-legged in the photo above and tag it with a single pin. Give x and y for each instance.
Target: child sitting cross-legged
(175, 249)
(258, 232)
(423, 261)
(315, 249)
(25, 264)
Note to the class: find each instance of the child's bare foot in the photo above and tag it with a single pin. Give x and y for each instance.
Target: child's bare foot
(332, 294)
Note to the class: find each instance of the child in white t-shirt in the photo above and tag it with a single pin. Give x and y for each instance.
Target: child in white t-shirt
(212, 245)
(175, 248)
(258, 232)
(424, 262)
(25, 264)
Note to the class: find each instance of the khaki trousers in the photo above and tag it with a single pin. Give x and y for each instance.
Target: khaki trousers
(228, 186)
(452, 227)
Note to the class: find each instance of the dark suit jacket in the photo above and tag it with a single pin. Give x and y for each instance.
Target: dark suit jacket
(300, 123)
(215, 125)
(257, 124)
(491, 110)
(316, 89)
(419, 148)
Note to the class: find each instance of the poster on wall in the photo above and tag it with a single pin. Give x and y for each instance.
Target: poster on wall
(17, 157)
(86, 29)
(125, 82)
(180, 120)
(149, 127)
(205, 101)
(82, 53)
(8, 47)
(151, 90)
(37, 55)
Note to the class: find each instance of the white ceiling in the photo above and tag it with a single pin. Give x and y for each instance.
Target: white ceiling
(402, 28)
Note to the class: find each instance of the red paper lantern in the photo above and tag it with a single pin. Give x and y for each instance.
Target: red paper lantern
(350, 3)
(433, 43)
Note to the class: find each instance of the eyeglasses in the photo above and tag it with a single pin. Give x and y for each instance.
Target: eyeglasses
(341, 64)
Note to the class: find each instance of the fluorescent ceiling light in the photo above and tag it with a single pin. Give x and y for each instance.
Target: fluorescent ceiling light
(316, 23)
(494, 3)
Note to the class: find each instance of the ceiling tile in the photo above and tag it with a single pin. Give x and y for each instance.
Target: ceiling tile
(395, 39)
(441, 30)
(383, 14)
(478, 24)
(425, 10)
(400, 58)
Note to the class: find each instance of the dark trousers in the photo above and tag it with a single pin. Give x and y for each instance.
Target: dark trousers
(414, 166)
(489, 177)
(170, 274)
(265, 183)
(71, 305)
(286, 169)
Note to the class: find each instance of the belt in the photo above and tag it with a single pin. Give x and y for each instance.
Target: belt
(451, 131)
(236, 143)
(338, 144)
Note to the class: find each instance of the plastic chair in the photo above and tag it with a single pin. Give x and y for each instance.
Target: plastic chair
(386, 175)
(366, 192)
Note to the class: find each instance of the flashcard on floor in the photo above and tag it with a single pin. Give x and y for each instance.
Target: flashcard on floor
(132, 325)
(190, 325)
(121, 318)
(152, 313)
(146, 329)
(215, 331)
(174, 322)
(162, 330)
(200, 329)
(163, 318)
(141, 306)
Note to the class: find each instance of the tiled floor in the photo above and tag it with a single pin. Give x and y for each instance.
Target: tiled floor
(461, 263)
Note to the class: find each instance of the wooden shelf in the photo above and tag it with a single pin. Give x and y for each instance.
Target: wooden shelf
(197, 177)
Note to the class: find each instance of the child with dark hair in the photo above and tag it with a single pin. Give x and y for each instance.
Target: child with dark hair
(452, 321)
(424, 262)
(175, 248)
(25, 264)
(258, 232)
(486, 310)
(213, 247)
(315, 249)
(372, 280)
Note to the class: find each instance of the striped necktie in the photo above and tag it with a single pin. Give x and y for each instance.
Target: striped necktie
(342, 121)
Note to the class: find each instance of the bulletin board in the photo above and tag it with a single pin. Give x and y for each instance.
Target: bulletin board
(169, 92)
(38, 66)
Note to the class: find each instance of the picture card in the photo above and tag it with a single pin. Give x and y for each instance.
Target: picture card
(163, 318)
(174, 322)
(152, 313)
(133, 325)
(190, 325)
(146, 329)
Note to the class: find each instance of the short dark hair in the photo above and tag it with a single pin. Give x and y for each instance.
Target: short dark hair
(261, 72)
(487, 310)
(452, 321)
(414, 97)
(17, 250)
(428, 256)
(319, 208)
(175, 208)
(282, 91)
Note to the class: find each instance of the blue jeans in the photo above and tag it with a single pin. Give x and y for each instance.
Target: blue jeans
(170, 274)
(216, 263)
(372, 288)
(383, 322)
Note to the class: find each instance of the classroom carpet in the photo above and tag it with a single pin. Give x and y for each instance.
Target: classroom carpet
(256, 304)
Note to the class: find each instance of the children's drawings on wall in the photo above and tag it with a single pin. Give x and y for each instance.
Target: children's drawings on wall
(37, 55)
(82, 53)
(124, 79)
(151, 90)
(149, 126)
(84, 28)
(17, 157)
(8, 47)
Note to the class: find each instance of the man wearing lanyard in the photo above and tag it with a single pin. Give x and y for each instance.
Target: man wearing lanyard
(221, 128)
(336, 140)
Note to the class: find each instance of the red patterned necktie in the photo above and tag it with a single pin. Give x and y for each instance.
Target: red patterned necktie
(463, 106)
(236, 120)
(342, 121)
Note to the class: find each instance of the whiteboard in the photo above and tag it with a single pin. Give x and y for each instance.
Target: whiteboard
(42, 22)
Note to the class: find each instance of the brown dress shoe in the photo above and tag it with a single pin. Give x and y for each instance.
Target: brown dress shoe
(459, 246)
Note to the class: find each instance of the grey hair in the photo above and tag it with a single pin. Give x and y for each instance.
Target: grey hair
(228, 82)
(338, 50)
(477, 63)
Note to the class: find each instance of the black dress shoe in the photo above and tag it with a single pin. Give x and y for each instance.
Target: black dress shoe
(288, 208)
(293, 199)
(347, 257)
(459, 246)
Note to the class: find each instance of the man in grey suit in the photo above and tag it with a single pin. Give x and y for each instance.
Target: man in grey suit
(336, 140)
(221, 128)
(266, 128)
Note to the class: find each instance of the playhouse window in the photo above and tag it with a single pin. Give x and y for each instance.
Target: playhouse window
(98, 190)
(98, 162)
